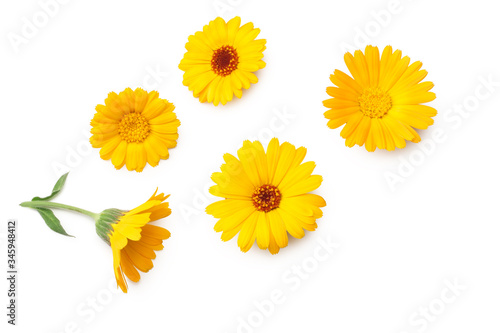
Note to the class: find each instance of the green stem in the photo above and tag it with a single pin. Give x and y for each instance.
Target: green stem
(48, 204)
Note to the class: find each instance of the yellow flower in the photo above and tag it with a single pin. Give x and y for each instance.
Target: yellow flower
(221, 59)
(266, 195)
(133, 240)
(381, 103)
(134, 127)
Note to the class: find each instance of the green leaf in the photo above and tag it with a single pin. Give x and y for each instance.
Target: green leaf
(55, 191)
(52, 221)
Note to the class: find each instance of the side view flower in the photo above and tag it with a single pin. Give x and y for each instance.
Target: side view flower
(222, 59)
(381, 104)
(266, 195)
(133, 128)
(132, 239)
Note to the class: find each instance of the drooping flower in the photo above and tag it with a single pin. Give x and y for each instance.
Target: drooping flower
(133, 128)
(266, 195)
(222, 59)
(132, 238)
(381, 104)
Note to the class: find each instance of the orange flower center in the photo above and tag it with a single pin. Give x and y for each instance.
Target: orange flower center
(134, 127)
(224, 60)
(374, 102)
(266, 198)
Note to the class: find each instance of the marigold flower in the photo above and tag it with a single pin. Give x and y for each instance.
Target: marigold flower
(266, 195)
(132, 238)
(221, 60)
(133, 128)
(381, 104)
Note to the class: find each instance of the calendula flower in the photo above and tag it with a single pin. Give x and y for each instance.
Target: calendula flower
(266, 195)
(221, 60)
(133, 128)
(381, 104)
(132, 238)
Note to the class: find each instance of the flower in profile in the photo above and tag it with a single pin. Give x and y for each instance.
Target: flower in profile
(266, 195)
(132, 238)
(381, 104)
(133, 128)
(222, 59)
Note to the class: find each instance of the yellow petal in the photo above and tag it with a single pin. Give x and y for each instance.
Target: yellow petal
(247, 234)
(278, 229)
(128, 268)
(286, 156)
(263, 230)
(227, 207)
(155, 231)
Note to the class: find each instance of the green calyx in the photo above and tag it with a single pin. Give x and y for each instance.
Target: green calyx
(105, 220)
(44, 206)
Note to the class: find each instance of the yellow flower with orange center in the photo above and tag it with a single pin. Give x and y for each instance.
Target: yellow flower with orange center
(266, 195)
(222, 59)
(381, 104)
(134, 128)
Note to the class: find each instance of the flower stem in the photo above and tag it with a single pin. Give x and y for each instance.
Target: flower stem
(48, 204)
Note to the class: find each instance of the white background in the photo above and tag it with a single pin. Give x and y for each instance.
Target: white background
(398, 246)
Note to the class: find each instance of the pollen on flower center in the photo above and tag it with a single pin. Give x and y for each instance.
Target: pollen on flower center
(374, 102)
(224, 60)
(266, 198)
(134, 127)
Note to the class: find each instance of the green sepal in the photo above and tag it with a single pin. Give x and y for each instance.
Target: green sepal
(52, 221)
(55, 191)
(103, 224)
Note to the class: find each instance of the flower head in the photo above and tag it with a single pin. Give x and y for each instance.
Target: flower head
(133, 128)
(133, 240)
(266, 195)
(221, 59)
(380, 104)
